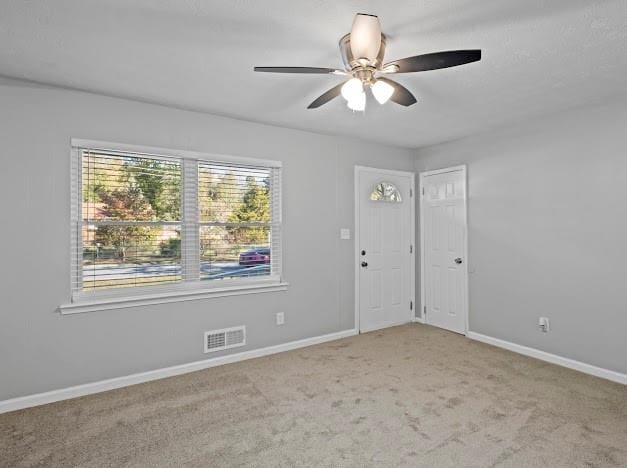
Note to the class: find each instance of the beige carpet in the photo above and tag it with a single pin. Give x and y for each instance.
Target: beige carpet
(407, 396)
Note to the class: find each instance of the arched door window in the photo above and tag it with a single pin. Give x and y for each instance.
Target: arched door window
(386, 192)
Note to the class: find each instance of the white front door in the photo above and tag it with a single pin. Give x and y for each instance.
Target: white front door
(384, 253)
(443, 212)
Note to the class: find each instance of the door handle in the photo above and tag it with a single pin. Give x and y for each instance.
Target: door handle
(458, 260)
(364, 264)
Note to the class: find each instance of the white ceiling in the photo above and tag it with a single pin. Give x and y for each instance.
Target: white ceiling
(539, 56)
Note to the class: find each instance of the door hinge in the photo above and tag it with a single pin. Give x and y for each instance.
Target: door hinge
(411, 249)
(411, 305)
(424, 309)
(423, 190)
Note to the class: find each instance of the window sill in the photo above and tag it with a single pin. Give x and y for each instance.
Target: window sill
(171, 296)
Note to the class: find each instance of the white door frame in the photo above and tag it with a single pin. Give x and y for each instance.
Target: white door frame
(412, 236)
(421, 178)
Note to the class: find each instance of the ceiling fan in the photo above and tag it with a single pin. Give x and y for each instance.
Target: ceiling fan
(362, 53)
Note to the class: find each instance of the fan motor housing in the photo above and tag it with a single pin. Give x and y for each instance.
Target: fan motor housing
(355, 64)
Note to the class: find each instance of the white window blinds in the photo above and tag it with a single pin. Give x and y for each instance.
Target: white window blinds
(145, 223)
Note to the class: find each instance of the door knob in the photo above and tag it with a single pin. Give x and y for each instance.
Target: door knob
(364, 264)
(458, 260)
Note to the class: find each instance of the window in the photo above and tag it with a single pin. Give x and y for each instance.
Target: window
(387, 192)
(145, 222)
(235, 221)
(131, 221)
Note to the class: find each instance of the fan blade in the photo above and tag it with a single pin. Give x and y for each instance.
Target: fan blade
(326, 97)
(298, 70)
(434, 61)
(401, 94)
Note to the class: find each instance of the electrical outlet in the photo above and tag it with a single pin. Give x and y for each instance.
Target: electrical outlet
(543, 324)
(280, 318)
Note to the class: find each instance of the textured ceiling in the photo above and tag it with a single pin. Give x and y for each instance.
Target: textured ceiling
(539, 56)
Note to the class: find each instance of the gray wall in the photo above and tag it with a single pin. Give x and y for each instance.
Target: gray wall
(548, 231)
(41, 350)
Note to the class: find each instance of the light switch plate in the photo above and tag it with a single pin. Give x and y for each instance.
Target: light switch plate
(345, 233)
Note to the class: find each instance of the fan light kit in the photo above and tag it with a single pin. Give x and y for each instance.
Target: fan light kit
(362, 52)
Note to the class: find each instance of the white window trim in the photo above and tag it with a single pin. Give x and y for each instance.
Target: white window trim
(171, 153)
(170, 296)
(182, 291)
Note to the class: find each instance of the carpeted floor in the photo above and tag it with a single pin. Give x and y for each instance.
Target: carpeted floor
(406, 396)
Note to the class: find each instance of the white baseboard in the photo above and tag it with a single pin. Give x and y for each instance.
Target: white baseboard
(418, 320)
(118, 382)
(552, 358)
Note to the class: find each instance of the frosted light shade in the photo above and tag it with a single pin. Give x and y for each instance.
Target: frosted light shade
(358, 103)
(366, 37)
(352, 89)
(382, 91)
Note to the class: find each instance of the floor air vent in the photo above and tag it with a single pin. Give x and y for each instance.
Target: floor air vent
(217, 340)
